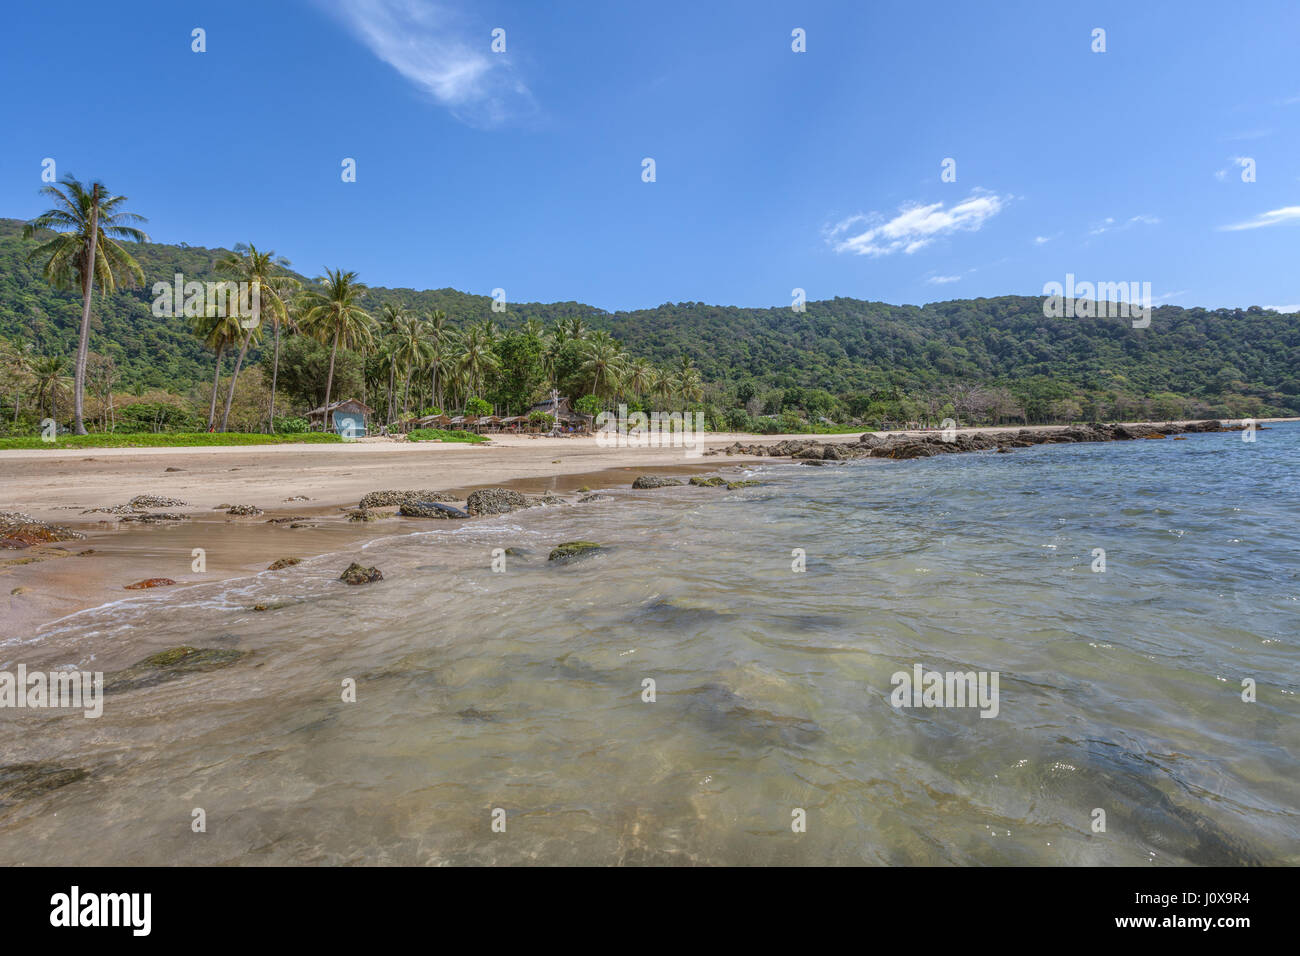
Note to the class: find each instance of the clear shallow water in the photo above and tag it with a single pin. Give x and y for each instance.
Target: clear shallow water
(522, 690)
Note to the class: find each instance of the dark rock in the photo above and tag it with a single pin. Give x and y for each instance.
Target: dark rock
(391, 499)
(656, 481)
(571, 550)
(283, 563)
(240, 511)
(169, 665)
(711, 482)
(495, 501)
(356, 574)
(430, 509)
(747, 483)
(24, 781)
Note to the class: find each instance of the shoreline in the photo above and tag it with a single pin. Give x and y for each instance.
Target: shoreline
(46, 583)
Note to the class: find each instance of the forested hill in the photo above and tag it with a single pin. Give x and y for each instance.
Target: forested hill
(1227, 358)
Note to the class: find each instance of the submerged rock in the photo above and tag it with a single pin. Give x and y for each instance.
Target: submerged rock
(356, 574)
(169, 665)
(656, 481)
(710, 482)
(23, 781)
(361, 514)
(145, 502)
(430, 509)
(283, 563)
(744, 483)
(155, 517)
(594, 497)
(148, 583)
(495, 501)
(571, 550)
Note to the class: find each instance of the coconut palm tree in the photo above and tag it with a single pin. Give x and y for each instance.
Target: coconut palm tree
(16, 365)
(85, 252)
(440, 334)
(218, 333)
(661, 384)
(639, 376)
(265, 272)
(476, 360)
(442, 363)
(573, 328)
(51, 372)
(334, 314)
(412, 351)
(390, 318)
(603, 364)
(688, 383)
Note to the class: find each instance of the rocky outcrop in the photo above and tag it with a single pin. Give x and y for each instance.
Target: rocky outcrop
(906, 447)
(356, 574)
(711, 482)
(430, 509)
(495, 501)
(18, 530)
(148, 583)
(243, 511)
(571, 550)
(393, 499)
(656, 481)
(282, 563)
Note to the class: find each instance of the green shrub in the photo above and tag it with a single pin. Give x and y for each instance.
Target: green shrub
(292, 426)
(441, 434)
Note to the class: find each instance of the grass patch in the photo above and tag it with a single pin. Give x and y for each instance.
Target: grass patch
(166, 440)
(441, 434)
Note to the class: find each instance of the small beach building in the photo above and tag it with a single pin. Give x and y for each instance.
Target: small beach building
(565, 415)
(348, 417)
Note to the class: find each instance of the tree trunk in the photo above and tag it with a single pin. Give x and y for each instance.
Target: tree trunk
(275, 374)
(87, 290)
(392, 386)
(406, 392)
(329, 380)
(239, 362)
(216, 381)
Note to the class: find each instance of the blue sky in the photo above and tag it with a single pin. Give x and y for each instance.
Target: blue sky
(774, 169)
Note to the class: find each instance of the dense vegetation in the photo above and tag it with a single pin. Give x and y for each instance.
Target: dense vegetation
(406, 352)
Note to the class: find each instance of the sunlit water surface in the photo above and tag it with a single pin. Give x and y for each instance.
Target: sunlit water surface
(1120, 691)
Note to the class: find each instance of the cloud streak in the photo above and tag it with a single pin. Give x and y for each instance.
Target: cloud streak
(424, 42)
(915, 226)
(1271, 218)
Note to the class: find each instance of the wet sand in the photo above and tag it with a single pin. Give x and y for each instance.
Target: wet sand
(42, 584)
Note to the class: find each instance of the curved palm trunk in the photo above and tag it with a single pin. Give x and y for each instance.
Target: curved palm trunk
(329, 379)
(83, 343)
(239, 362)
(216, 381)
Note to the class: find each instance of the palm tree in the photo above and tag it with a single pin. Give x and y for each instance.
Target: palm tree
(639, 376)
(413, 351)
(573, 328)
(84, 251)
(218, 333)
(332, 312)
(603, 364)
(440, 334)
(247, 264)
(476, 360)
(391, 318)
(443, 365)
(688, 383)
(17, 367)
(51, 373)
(661, 384)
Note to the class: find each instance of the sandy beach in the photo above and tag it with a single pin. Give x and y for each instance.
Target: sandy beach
(317, 483)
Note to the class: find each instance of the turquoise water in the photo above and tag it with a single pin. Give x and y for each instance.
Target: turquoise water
(522, 690)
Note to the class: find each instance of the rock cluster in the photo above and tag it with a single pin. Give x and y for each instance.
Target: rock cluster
(656, 481)
(392, 499)
(18, 530)
(902, 447)
(356, 574)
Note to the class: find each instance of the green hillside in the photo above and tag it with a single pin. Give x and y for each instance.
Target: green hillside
(841, 357)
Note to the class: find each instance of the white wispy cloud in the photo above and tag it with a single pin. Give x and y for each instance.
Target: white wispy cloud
(1283, 308)
(942, 280)
(1110, 224)
(428, 45)
(915, 226)
(1044, 240)
(1271, 218)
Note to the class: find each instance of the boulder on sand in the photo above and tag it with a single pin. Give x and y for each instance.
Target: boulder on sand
(656, 481)
(495, 501)
(356, 574)
(430, 509)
